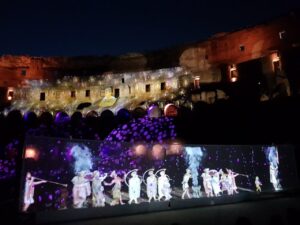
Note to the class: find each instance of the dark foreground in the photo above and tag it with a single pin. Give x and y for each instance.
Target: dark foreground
(264, 209)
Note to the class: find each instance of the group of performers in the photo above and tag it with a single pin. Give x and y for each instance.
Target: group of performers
(216, 182)
(157, 185)
(154, 186)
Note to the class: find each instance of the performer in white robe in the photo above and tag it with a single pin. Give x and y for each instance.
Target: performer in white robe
(134, 187)
(215, 183)
(164, 187)
(223, 183)
(98, 196)
(207, 183)
(29, 191)
(81, 189)
(185, 183)
(232, 184)
(151, 182)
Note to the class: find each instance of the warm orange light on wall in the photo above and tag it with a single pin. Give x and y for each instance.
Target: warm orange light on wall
(157, 151)
(233, 73)
(140, 150)
(31, 153)
(10, 94)
(175, 148)
(275, 57)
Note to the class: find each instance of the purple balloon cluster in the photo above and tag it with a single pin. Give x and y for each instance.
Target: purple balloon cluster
(145, 129)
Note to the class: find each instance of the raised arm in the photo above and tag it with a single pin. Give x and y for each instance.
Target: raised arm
(39, 182)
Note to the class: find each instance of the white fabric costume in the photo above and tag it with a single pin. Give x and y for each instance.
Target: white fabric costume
(151, 186)
(164, 187)
(98, 196)
(215, 183)
(81, 190)
(134, 187)
(29, 191)
(185, 183)
(231, 181)
(207, 183)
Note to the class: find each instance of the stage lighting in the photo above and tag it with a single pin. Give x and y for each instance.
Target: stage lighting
(157, 151)
(140, 150)
(175, 148)
(31, 153)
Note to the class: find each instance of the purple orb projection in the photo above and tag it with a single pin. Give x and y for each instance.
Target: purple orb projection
(145, 129)
(61, 117)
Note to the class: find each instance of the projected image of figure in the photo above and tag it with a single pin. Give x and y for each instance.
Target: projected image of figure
(164, 187)
(134, 185)
(257, 184)
(232, 188)
(272, 156)
(116, 190)
(207, 183)
(30, 184)
(223, 181)
(151, 183)
(81, 189)
(185, 183)
(215, 182)
(97, 188)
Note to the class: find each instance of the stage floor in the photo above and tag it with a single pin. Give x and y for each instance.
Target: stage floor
(205, 209)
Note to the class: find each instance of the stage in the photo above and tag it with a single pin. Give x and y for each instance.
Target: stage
(213, 208)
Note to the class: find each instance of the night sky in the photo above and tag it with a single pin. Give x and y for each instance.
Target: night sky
(110, 27)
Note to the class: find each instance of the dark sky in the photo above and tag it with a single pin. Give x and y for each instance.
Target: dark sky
(99, 27)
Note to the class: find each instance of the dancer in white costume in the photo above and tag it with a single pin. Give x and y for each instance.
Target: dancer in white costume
(98, 196)
(81, 189)
(215, 182)
(134, 185)
(185, 183)
(207, 183)
(257, 184)
(116, 190)
(151, 183)
(29, 190)
(164, 187)
(223, 181)
(232, 188)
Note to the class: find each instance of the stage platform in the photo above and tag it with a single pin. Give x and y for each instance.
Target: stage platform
(143, 210)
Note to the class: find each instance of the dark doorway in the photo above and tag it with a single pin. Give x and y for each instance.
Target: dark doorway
(42, 96)
(148, 88)
(117, 92)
